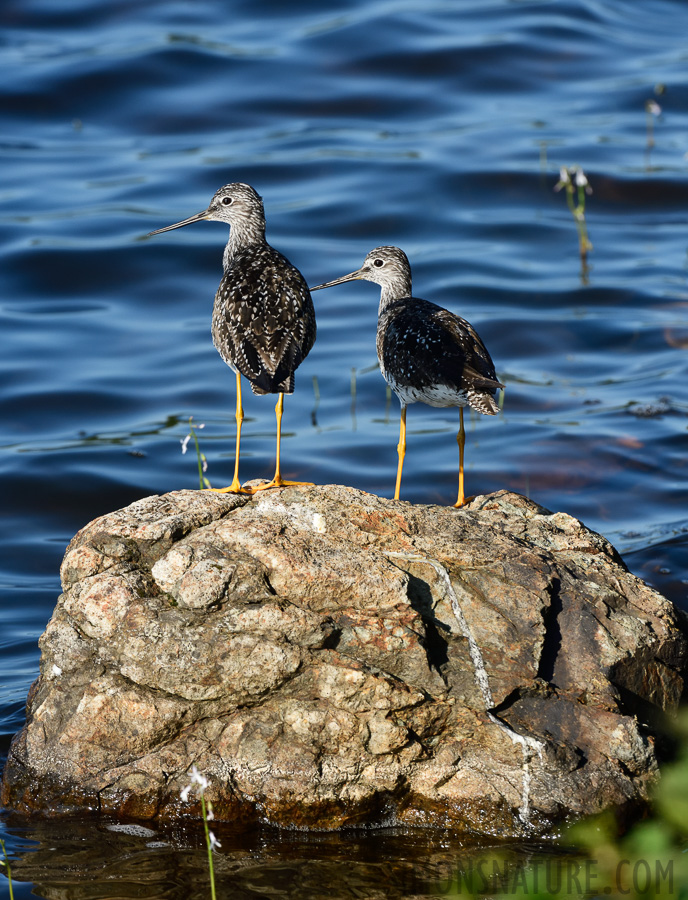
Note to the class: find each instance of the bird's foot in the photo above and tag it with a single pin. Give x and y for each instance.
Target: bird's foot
(462, 501)
(278, 482)
(233, 488)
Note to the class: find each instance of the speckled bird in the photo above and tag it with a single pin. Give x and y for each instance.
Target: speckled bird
(426, 353)
(263, 322)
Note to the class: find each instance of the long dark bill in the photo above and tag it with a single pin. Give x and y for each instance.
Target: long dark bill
(197, 218)
(352, 276)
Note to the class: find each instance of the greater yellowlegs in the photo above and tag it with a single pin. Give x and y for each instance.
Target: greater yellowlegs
(263, 318)
(426, 353)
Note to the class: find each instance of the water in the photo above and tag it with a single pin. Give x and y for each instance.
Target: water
(438, 126)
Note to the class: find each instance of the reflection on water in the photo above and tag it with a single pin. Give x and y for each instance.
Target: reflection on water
(87, 861)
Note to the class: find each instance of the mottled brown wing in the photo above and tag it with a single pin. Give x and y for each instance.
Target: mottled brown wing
(263, 320)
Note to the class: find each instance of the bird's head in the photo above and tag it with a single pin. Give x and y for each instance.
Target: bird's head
(386, 266)
(237, 205)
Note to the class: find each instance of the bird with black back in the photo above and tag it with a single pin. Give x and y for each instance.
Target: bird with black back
(427, 354)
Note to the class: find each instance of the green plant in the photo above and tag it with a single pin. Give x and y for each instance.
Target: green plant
(595, 858)
(575, 183)
(202, 461)
(6, 863)
(207, 813)
(651, 859)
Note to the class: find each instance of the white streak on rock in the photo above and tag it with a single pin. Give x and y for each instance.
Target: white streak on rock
(529, 745)
(481, 677)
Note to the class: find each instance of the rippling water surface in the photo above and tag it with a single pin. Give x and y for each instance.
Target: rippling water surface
(437, 126)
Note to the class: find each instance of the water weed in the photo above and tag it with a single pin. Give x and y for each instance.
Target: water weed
(197, 779)
(575, 183)
(202, 461)
(652, 111)
(6, 863)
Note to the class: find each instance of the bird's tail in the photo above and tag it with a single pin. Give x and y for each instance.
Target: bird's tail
(268, 384)
(483, 400)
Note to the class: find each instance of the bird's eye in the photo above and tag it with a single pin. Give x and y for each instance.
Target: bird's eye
(226, 201)
(378, 262)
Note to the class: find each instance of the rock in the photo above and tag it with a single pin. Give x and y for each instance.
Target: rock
(327, 658)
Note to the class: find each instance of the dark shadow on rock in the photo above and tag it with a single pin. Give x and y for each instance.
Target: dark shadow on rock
(552, 642)
(420, 598)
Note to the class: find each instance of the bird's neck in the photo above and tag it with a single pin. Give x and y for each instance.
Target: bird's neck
(392, 291)
(241, 236)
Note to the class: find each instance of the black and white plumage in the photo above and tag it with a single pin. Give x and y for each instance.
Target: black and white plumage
(426, 353)
(263, 323)
(263, 319)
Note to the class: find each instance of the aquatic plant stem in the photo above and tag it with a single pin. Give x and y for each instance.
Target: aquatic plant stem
(8, 868)
(199, 456)
(652, 110)
(209, 847)
(574, 181)
(578, 213)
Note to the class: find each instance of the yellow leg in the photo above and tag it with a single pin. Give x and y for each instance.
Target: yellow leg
(235, 487)
(278, 481)
(461, 441)
(401, 450)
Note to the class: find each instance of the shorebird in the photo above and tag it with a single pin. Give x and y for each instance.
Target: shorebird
(263, 322)
(426, 353)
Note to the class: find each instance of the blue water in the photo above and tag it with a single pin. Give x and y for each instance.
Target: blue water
(437, 126)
